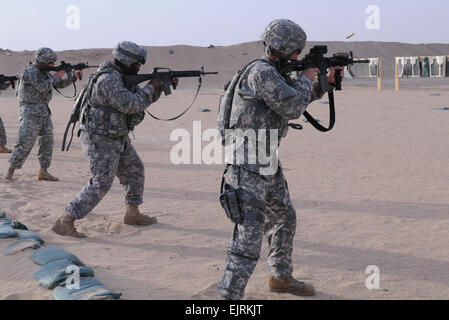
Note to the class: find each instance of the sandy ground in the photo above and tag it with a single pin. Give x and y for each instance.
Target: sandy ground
(373, 191)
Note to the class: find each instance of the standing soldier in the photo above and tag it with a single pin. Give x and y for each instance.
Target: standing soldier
(3, 149)
(110, 112)
(263, 100)
(35, 91)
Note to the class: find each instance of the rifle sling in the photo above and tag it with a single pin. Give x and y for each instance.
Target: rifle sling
(74, 87)
(64, 139)
(65, 136)
(180, 115)
(315, 123)
(95, 78)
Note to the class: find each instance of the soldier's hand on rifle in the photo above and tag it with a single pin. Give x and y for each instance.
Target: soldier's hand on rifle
(78, 74)
(157, 84)
(311, 73)
(331, 73)
(60, 74)
(174, 81)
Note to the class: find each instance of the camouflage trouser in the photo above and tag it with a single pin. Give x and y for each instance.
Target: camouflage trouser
(2, 134)
(31, 128)
(268, 198)
(108, 157)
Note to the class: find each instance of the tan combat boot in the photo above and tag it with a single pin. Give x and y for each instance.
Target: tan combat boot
(65, 226)
(134, 217)
(9, 174)
(3, 149)
(44, 175)
(290, 285)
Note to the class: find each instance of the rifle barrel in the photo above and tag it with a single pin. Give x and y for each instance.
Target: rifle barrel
(132, 80)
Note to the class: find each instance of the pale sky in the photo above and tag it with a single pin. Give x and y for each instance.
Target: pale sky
(30, 24)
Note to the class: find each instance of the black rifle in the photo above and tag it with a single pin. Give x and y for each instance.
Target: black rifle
(166, 77)
(316, 59)
(133, 80)
(10, 79)
(67, 67)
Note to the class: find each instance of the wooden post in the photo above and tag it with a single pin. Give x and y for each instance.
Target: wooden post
(379, 75)
(396, 76)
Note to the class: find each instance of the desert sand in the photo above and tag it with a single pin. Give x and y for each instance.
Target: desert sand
(373, 191)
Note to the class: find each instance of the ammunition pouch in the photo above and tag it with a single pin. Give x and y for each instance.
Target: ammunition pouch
(104, 120)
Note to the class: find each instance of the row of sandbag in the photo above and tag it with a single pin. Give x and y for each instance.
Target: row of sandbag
(61, 270)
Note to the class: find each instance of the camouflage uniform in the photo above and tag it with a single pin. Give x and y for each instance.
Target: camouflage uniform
(3, 86)
(112, 112)
(2, 134)
(263, 99)
(35, 92)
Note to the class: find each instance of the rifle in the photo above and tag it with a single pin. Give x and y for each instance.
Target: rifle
(67, 67)
(10, 79)
(133, 80)
(315, 59)
(166, 77)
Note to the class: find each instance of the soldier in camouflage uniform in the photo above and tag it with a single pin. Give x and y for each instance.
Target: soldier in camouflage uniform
(265, 99)
(3, 149)
(34, 91)
(111, 112)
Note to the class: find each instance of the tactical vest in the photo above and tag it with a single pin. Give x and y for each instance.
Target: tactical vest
(104, 120)
(225, 108)
(28, 94)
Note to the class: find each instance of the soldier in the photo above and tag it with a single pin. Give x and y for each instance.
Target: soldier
(110, 113)
(35, 92)
(3, 149)
(263, 99)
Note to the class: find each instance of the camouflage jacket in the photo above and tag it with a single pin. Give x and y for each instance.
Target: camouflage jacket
(113, 109)
(35, 90)
(265, 101)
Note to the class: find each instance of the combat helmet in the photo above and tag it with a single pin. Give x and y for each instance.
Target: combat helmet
(285, 36)
(127, 52)
(45, 56)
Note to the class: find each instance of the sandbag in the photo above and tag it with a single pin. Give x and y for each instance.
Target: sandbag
(14, 224)
(19, 226)
(5, 222)
(7, 232)
(25, 234)
(52, 253)
(56, 272)
(89, 289)
(21, 245)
